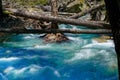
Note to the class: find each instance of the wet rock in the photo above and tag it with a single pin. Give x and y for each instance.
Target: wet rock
(103, 38)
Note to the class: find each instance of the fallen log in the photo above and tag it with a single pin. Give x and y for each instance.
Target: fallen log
(57, 19)
(40, 31)
(87, 11)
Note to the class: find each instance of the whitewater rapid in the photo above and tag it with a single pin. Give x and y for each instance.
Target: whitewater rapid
(27, 57)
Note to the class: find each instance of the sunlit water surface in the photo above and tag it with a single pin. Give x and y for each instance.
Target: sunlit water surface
(27, 57)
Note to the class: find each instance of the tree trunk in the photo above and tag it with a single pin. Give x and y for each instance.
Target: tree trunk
(54, 7)
(113, 8)
(1, 9)
(54, 36)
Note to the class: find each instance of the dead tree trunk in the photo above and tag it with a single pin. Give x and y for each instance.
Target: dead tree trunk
(113, 8)
(54, 37)
(54, 7)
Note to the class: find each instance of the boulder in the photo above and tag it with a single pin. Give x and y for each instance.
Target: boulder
(55, 37)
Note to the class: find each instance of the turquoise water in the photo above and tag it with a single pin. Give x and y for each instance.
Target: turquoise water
(27, 57)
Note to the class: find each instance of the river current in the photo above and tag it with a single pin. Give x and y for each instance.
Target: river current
(27, 57)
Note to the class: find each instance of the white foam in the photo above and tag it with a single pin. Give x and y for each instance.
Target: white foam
(74, 38)
(42, 46)
(83, 54)
(74, 28)
(9, 59)
(8, 70)
(20, 71)
(88, 50)
(37, 56)
(8, 51)
(57, 73)
(27, 37)
(101, 45)
(30, 69)
(33, 70)
(30, 57)
(36, 46)
(30, 36)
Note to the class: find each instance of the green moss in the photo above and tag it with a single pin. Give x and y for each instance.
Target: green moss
(6, 12)
(75, 8)
(30, 2)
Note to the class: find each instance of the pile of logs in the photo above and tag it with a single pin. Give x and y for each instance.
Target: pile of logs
(103, 26)
(34, 20)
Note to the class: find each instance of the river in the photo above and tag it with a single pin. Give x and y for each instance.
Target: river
(27, 57)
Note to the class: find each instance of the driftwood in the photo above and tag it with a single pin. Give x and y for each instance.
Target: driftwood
(87, 11)
(40, 31)
(36, 16)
